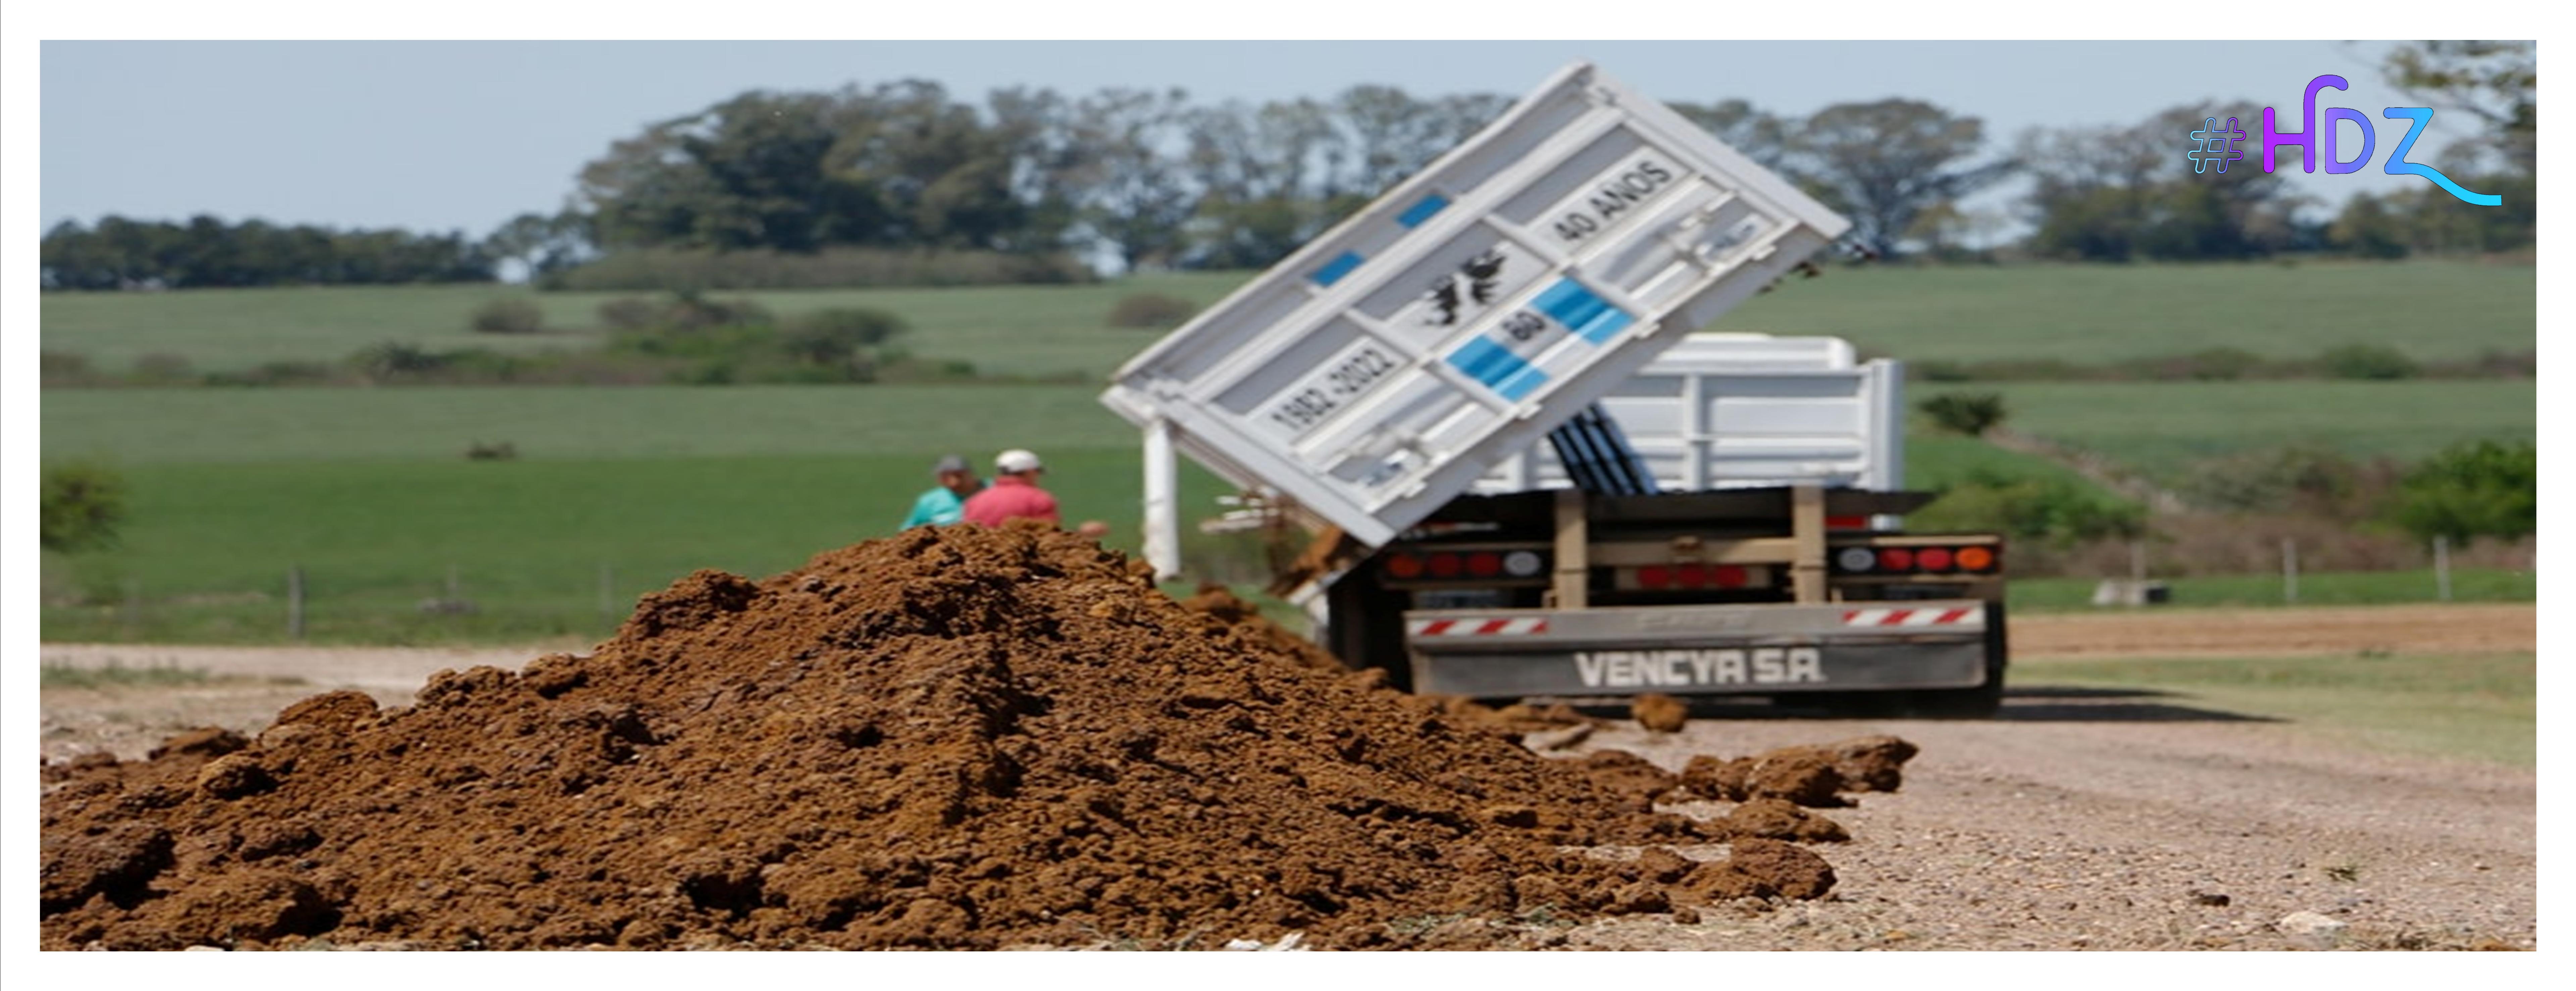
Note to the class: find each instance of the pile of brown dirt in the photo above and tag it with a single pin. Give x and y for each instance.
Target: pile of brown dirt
(951, 738)
(1249, 623)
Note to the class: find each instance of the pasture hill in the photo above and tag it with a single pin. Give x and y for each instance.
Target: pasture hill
(366, 496)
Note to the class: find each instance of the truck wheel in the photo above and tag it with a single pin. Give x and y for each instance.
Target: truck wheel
(1851, 705)
(1365, 626)
(1980, 702)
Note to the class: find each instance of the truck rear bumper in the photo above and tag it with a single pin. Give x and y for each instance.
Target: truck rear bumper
(1703, 650)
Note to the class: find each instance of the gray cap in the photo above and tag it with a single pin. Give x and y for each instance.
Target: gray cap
(949, 464)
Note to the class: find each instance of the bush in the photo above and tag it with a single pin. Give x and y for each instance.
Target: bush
(393, 360)
(1970, 413)
(838, 336)
(1152, 311)
(2052, 510)
(629, 313)
(84, 504)
(2368, 361)
(278, 373)
(159, 368)
(64, 368)
(2308, 481)
(509, 316)
(2481, 489)
(2210, 365)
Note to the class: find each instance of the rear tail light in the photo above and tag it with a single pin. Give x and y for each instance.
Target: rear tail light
(1462, 565)
(1917, 560)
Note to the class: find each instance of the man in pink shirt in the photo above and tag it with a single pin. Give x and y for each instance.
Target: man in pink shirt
(1014, 493)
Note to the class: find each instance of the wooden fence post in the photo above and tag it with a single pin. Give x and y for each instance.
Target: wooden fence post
(2289, 570)
(2442, 566)
(294, 602)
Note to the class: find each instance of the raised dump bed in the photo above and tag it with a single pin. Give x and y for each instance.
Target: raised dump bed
(1379, 371)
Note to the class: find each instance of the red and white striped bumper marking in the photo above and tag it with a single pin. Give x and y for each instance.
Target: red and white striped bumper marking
(1914, 617)
(1476, 627)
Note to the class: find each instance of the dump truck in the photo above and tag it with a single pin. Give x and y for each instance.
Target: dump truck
(1437, 387)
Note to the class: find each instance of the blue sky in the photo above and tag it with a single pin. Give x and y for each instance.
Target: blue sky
(463, 135)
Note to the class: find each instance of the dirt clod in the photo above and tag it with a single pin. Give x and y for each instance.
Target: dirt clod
(1660, 713)
(1812, 776)
(953, 738)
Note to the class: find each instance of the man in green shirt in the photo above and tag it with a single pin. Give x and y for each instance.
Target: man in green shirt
(945, 504)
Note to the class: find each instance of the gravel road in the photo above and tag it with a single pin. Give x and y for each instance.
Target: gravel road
(2076, 820)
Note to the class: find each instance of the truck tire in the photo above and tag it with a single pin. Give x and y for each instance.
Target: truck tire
(1364, 626)
(1981, 702)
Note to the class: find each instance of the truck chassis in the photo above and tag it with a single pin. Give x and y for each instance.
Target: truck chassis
(1784, 593)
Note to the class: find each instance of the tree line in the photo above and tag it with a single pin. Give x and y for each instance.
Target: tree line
(1149, 178)
(206, 252)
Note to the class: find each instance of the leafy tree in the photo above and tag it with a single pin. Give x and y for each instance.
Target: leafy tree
(120, 253)
(84, 506)
(2369, 229)
(1133, 194)
(2478, 489)
(2119, 193)
(543, 244)
(2496, 82)
(1388, 135)
(1887, 162)
(1752, 132)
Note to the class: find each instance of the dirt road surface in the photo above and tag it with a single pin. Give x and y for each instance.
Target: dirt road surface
(2073, 821)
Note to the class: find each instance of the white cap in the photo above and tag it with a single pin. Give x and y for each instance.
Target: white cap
(1015, 461)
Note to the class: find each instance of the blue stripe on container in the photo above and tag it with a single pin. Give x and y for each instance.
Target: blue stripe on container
(1589, 316)
(1333, 271)
(1497, 367)
(1423, 210)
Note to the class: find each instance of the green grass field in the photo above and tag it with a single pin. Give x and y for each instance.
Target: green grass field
(2085, 314)
(542, 548)
(369, 492)
(2473, 706)
(546, 423)
(2162, 427)
(2351, 588)
(1004, 330)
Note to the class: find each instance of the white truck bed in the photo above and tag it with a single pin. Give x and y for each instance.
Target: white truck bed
(1382, 369)
(1719, 411)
